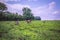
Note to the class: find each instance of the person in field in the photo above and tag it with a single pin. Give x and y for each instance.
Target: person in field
(17, 19)
(28, 20)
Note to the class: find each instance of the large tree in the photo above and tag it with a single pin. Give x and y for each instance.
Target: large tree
(2, 7)
(27, 13)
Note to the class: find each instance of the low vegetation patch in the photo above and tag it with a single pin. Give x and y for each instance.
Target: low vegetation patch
(36, 30)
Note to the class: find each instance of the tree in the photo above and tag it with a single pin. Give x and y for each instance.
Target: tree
(2, 7)
(37, 18)
(27, 14)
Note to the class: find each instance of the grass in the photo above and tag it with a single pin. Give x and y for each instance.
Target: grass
(36, 30)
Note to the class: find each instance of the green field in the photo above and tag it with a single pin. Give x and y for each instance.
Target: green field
(36, 30)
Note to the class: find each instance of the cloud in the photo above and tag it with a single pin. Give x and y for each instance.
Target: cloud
(55, 12)
(57, 15)
(16, 7)
(46, 12)
(12, 0)
(2, 1)
(52, 5)
(32, 0)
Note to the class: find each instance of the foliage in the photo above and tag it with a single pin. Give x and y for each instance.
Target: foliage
(2, 7)
(27, 14)
(6, 15)
(9, 16)
(36, 30)
(37, 18)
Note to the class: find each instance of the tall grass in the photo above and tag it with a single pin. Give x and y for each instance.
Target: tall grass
(36, 30)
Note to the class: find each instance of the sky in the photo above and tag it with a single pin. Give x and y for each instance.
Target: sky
(46, 9)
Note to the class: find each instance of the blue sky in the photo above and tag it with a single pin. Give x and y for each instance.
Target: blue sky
(46, 9)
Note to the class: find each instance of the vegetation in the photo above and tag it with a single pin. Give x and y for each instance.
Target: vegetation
(6, 15)
(2, 7)
(37, 18)
(36, 30)
(27, 14)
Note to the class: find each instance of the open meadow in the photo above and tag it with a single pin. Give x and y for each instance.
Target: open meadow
(36, 30)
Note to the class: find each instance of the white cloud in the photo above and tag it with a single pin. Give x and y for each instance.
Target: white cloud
(16, 7)
(32, 0)
(55, 12)
(12, 0)
(43, 11)
(46, 12)
(2, 1)
(52, 5)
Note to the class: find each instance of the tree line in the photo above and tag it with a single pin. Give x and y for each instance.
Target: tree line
(6, 15)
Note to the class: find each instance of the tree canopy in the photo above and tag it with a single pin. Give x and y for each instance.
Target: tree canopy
(2, 7)
(6, 15)
(27, 14)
